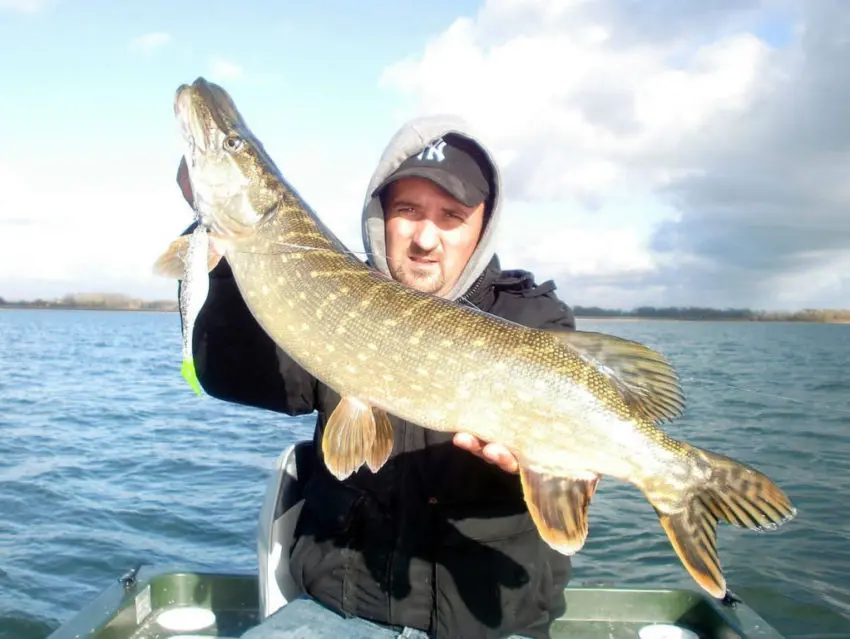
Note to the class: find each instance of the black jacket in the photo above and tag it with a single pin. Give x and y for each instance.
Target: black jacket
(438, 539)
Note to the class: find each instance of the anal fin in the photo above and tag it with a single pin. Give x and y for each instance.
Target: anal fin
(558, 506)
(356, 434)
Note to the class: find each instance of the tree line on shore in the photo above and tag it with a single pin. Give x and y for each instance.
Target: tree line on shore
(717, 314)
(94, 301)
(119, 302)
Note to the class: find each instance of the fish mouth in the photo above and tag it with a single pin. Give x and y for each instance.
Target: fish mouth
(196, 125)
(192, 113)
(206, 115)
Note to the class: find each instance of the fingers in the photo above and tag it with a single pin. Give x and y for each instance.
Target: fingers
(468, 442)
(493, 453)
(501, 456)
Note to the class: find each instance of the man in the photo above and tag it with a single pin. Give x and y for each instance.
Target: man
(438, 543)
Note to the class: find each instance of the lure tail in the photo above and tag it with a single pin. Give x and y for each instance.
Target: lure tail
(187, 370)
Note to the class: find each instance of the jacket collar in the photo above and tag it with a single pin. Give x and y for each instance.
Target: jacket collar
(482, 293)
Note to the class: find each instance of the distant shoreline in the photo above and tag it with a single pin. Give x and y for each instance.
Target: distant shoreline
(93, 302)
(22, 307)
(117, 302)
(730, 320)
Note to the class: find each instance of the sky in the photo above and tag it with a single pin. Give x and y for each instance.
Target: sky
(654, 153)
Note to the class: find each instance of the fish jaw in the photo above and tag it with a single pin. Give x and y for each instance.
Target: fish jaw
(226, 164)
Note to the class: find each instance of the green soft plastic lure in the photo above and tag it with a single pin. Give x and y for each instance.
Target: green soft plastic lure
(193, 294)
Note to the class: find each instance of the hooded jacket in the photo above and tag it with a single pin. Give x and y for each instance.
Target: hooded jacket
(437, 539)
(410, 139)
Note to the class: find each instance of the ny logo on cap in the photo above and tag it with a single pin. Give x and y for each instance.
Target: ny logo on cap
(434, 151)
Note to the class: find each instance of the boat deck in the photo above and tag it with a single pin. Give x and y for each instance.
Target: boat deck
(158, 603)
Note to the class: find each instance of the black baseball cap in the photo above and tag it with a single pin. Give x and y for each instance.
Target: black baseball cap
(452, 163)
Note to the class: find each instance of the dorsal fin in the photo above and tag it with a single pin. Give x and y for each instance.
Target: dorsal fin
(645, 379)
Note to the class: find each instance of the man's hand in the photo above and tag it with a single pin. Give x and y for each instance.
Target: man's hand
(493, 453)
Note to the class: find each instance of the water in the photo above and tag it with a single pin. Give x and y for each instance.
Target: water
(108, 459)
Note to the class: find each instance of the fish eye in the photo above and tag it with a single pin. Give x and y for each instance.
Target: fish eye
(232, 143)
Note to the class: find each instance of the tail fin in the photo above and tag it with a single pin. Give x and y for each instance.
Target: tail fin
(734, 493)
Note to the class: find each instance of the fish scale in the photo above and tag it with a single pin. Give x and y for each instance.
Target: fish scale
(572, 406)
(364, 340)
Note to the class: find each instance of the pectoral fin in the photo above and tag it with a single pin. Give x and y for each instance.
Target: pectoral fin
(172, 262)
(558, 506)
(356, 434)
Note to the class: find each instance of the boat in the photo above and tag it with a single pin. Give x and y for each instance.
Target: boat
(178, 602)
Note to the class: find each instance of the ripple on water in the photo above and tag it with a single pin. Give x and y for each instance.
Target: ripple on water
(110, 460)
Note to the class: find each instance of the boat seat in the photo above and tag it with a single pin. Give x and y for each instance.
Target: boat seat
(278, 516)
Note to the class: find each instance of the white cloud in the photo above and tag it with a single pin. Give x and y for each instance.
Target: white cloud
(24, 6)
(82, 236)
(601, 111)
(221, 69)
(150, 42)
(650, 157)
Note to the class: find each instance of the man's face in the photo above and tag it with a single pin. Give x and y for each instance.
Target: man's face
(430, 235)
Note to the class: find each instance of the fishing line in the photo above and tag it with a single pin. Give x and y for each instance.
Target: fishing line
(764, 394)
(685, 379)
(299, 247)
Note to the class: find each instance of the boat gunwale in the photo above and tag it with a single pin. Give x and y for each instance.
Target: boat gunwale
(114, 611)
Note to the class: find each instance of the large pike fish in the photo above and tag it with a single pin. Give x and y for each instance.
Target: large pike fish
(571, 406)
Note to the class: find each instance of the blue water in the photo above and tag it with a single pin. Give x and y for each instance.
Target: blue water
(108, 459)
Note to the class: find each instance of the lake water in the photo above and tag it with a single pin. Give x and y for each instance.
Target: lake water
(108, 460)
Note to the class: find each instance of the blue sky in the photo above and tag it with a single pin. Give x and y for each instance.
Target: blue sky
(617, 130)
(79, 84)
(87, 104)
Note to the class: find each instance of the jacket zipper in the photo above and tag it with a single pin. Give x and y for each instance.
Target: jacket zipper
(464, 299)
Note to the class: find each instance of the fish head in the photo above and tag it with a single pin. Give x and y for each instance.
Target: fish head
(232, 177)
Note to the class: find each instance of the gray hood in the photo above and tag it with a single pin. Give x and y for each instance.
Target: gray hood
(412, 138)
